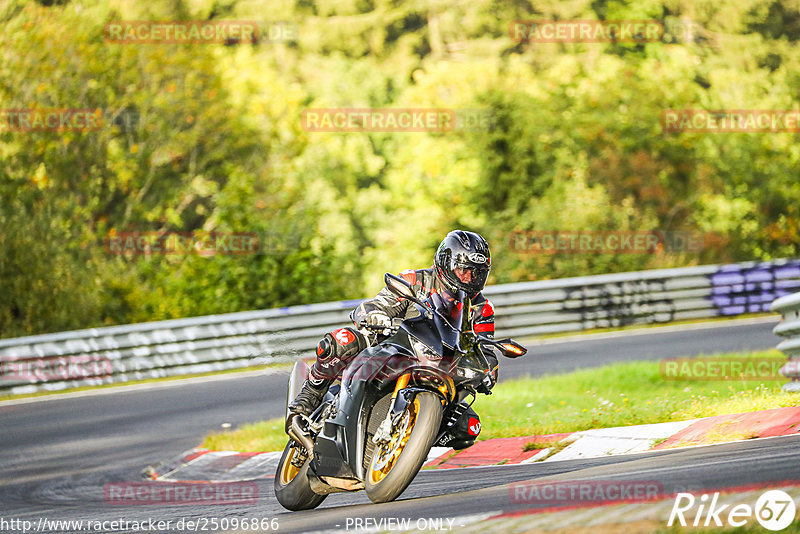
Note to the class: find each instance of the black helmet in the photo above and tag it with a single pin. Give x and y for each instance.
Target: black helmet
(469, 253)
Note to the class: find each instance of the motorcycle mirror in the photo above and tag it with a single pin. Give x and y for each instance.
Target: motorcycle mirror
(510, 348)
(400, 287)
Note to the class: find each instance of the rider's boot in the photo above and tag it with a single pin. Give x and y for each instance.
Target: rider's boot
(310, 396)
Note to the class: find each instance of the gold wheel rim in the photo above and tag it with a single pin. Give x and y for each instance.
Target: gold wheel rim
(385, 457)
(288, 470)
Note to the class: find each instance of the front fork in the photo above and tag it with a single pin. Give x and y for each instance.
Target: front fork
(403, 396)
(399, 402)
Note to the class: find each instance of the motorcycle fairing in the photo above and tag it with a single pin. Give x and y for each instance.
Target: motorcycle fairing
(339, 448)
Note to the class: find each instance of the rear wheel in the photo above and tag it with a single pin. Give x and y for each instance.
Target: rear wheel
(395, 464)
(292, 488)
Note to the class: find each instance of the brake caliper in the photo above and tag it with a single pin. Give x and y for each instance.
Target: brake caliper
(384, 432)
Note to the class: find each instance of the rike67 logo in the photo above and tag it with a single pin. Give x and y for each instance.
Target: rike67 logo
(774, 510)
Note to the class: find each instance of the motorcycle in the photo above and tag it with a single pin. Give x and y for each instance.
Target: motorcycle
(396, 400)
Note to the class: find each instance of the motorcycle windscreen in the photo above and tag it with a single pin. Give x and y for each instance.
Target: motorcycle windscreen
(451, 306)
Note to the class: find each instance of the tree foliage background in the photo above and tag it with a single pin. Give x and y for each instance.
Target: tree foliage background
(209, 137)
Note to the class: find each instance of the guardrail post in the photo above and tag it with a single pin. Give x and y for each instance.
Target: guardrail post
(789, 327)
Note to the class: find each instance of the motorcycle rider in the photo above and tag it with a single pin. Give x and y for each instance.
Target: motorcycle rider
(461, 262)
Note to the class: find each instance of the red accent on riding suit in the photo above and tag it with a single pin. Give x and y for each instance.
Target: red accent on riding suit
(485, 329)
(339, 347)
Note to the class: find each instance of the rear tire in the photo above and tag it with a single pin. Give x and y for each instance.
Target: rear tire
(292, 488)
(390, 473)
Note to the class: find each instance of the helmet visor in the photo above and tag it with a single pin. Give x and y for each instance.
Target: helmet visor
(471, 277)
(464, 273)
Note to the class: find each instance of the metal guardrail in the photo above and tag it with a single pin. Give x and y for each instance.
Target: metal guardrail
(789, 327)
(218, 342)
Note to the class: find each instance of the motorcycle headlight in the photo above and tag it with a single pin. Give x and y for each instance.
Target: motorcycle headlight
(465, 372)
(423, 351)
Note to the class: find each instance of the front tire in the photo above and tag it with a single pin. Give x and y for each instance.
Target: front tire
(394, 465)
(292, 488)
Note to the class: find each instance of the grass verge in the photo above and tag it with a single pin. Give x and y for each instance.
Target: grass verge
(621, 394)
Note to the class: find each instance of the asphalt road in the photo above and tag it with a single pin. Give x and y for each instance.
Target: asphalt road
(58, 454)
(456, 493)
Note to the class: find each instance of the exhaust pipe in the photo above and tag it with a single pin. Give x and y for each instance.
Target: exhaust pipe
(298, 435)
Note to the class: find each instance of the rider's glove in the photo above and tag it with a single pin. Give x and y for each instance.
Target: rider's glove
(376, 320)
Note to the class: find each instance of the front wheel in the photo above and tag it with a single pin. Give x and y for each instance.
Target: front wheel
(292, 488)
(395, 464)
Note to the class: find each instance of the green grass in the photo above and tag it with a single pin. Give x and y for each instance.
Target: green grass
(252, 437)
(538, 445)
(621, 394)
